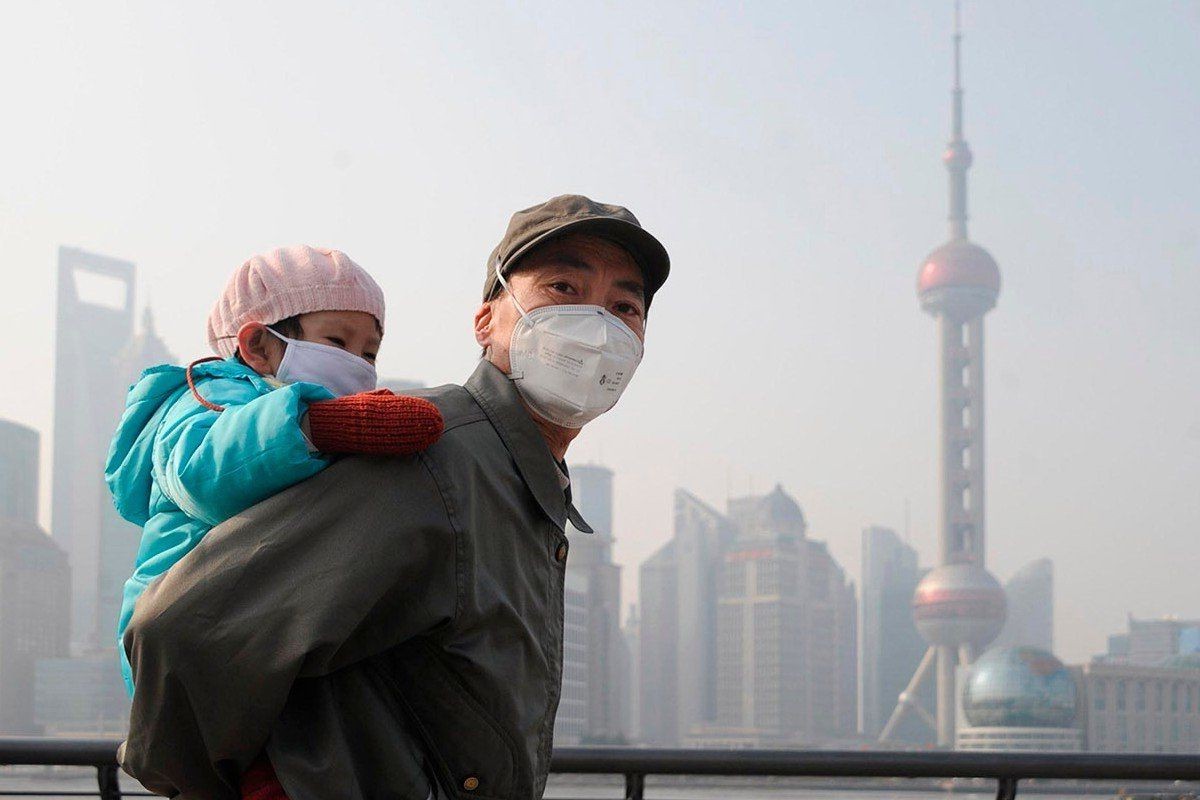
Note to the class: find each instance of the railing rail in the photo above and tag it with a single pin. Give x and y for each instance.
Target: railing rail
(636, 763)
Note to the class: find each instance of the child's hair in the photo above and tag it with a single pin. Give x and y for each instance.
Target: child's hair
(291, 327)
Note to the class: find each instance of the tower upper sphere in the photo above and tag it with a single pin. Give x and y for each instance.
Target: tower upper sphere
(960, 273)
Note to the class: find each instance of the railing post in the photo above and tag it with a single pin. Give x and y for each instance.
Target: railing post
(635, 785)
(110, 787)
(1006, 789)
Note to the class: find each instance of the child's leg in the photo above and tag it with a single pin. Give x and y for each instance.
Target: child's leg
(260, 783)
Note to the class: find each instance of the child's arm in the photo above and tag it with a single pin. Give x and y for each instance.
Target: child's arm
(218, 464)
(214, 465)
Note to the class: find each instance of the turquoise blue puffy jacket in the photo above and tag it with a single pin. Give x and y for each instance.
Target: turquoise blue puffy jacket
(177, 468)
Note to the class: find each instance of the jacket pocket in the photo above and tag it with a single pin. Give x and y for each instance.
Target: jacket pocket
(472, 753)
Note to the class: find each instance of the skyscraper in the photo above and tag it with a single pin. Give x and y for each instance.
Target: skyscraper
(959, 606)
(35, 581)
(1030, 593)
(94, 325)
(571, 721)
(591, 559)
(891, 646)
(632, 697)
(18, 472)
(747, 630)
(786, 632)
(678, 602)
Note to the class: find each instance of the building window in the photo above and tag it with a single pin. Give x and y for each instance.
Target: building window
(1120, 695)
(1139, 696)
(1099, 702)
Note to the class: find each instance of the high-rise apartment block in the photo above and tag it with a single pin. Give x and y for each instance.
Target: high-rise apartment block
(748, 630)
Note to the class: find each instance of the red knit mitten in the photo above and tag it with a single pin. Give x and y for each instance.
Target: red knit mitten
(374, 423)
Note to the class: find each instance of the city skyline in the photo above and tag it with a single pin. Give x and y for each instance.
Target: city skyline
(1093, 432)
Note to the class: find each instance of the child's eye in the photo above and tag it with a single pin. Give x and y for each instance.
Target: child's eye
(369, 357)
(337, 341)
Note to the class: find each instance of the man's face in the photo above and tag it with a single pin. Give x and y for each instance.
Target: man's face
(576, 269)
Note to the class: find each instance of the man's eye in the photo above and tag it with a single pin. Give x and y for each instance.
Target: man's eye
(369, 357)
(562, 286)
(628, 309)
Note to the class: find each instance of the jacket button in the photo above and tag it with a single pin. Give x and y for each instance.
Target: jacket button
(561, 552)
(471, 783)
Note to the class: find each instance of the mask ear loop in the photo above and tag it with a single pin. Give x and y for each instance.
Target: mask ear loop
(507, 288)
(500, 277)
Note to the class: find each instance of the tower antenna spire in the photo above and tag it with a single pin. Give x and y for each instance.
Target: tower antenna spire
(958, 154)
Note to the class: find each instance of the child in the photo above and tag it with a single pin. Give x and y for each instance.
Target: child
(298, 329)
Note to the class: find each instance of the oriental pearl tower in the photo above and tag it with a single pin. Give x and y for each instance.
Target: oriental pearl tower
(958, 606)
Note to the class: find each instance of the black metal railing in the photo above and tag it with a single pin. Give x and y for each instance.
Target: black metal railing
(635, 764)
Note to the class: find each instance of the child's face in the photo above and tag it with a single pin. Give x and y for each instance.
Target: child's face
(355, 332)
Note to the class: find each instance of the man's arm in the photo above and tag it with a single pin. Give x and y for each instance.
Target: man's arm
(330, 572)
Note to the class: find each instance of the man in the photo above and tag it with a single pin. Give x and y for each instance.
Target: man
(393, 628)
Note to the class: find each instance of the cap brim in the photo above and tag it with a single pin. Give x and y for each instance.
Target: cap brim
(646, 250)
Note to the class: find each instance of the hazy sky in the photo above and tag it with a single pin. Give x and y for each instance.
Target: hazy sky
(786, 153)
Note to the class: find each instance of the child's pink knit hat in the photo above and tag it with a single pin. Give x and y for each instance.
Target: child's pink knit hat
(289, 281)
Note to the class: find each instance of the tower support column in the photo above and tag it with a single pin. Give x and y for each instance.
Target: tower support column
(947, 660)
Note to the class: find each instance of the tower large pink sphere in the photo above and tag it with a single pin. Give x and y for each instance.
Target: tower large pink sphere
(957, 604)
(958, 276)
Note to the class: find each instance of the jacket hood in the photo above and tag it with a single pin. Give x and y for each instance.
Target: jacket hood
(129, 470)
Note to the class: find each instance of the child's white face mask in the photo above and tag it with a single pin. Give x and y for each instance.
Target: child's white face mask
(340, 372)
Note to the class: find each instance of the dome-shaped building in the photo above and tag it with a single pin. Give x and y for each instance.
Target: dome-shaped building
(1019, 698)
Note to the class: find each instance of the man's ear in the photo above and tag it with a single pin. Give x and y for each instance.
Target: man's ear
(253, 347)
(483, 325)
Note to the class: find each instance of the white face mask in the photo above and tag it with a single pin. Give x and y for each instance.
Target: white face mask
(340, 372)
(571, 363)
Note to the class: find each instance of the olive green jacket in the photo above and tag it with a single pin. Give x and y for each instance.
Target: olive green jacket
(385, 624)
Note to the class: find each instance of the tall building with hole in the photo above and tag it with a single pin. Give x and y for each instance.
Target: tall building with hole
(97, 357)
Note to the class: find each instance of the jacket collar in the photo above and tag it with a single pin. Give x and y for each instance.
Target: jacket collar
(498, 398)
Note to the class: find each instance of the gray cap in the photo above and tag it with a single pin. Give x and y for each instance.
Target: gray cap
(574, 213)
